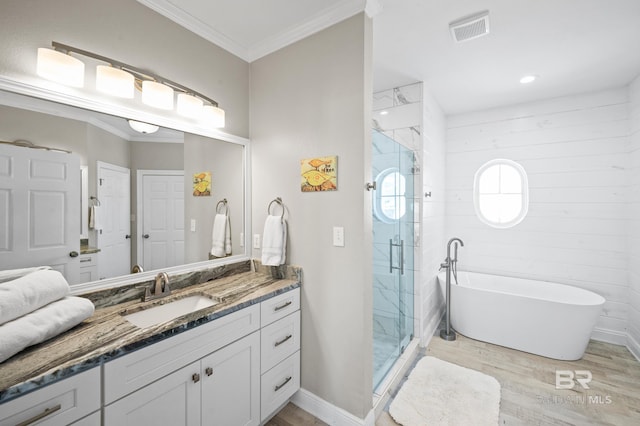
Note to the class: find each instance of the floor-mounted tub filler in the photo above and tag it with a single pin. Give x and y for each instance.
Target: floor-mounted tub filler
(539, 317)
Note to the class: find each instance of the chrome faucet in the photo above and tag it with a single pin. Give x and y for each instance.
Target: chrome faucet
(449, 264)
(160, 287)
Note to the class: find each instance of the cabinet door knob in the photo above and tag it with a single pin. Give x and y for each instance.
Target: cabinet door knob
(195, 377)
(208, 371)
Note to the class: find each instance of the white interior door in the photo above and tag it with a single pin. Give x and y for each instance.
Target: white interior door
(39, 209)
(161, 235)
(114, 223)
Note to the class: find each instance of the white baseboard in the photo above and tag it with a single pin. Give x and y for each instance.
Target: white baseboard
(432, 326)
(329, 413)
(633, 346)
(610, 336)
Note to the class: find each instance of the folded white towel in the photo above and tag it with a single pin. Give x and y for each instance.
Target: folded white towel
(30, 292)
(12, 274)
(221, 236)
(274, 241)
(43, 324)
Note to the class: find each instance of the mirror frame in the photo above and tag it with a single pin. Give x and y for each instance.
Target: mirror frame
(13, 86)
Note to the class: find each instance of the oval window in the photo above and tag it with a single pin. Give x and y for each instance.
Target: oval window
(391, 203)
(501, 193)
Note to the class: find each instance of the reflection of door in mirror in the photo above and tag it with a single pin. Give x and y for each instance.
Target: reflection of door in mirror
(39, 209)
(161, 210)
(113, 221)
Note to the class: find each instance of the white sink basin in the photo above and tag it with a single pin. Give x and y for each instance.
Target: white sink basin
(169, 311)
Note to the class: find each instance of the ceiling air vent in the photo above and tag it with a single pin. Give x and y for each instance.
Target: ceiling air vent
(470, 27)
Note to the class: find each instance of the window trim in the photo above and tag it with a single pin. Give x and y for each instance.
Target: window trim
(377, 205)
(524, 185)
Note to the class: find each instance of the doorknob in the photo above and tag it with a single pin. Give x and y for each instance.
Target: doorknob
(73, 254)
(127, 236)
(145, 236)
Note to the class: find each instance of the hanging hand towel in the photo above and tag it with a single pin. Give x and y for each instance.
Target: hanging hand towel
(221, 236)
(94, 217)
(30, 292)
(43, 324)
(13, 274)
(274, 241)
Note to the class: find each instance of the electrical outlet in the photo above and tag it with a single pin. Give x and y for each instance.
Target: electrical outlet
(256, 241)
(242, 239)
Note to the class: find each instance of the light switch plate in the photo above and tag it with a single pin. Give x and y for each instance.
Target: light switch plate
(193, 225)
(256, 241)
(338, 236)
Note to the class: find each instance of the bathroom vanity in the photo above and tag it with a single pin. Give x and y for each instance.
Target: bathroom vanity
(234, 363)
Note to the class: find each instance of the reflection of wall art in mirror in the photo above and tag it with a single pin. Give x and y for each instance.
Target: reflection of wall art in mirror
(319, 174)
(202, 184)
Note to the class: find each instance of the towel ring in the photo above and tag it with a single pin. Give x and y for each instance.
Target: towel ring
(95, 200)
(277, 200)
(222, 202)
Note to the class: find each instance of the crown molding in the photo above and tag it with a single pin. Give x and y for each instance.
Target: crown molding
(315, 23)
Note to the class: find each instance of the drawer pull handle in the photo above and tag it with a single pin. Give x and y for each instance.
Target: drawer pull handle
(277, 308)
(85, 260)
(208, 371)
(280, 386)
(283, 340)
(195, 377)
(42, 415)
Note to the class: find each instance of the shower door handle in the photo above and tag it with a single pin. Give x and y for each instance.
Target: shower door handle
(391, 246)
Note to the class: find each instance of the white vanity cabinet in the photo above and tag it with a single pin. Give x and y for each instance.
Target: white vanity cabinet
(61, 403)
(279, 351)
(88, 267)
(174, 381)
(219, 389)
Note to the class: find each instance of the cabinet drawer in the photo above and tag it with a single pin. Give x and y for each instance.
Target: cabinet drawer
(279, 307)
(279, 340)
(137, 369)
(91, 420)
(88, 260)
(58, 404)
(279, 384)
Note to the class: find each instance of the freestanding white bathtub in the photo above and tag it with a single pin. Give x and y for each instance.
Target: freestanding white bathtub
(542, 318)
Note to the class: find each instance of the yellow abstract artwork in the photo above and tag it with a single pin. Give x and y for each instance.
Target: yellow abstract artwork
(202, 184)
(319, 174)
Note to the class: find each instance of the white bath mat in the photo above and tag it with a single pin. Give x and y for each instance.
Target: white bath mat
(440, 393)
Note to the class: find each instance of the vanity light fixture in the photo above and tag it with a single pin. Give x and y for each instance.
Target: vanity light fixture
(60, 67)
(121, 80)
(157, 95)
(189, 105)
(114, 81)
(141, 127)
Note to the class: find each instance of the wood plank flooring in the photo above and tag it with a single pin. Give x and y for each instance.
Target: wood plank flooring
(529, 394)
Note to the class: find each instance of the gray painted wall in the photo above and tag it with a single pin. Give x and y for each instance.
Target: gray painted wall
(313, 98)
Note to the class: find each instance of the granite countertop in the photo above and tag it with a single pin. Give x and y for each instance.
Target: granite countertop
(107, 334)
(88, 249)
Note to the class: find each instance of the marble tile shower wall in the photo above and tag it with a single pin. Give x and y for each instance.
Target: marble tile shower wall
(397, 113)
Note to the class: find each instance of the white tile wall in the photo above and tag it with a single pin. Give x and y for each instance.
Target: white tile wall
(575, 151)
(634, 223)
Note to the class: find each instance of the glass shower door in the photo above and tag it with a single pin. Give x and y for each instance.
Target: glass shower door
(393, 252)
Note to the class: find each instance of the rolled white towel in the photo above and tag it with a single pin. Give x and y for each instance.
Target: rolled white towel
(274, 241)
(30, 292)
(43, 324)
(12, 274)
(221, 236)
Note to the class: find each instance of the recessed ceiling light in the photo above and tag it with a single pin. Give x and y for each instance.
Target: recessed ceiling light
(384, 112)
(528, 79)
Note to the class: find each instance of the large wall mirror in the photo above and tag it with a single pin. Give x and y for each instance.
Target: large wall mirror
(122, 200)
